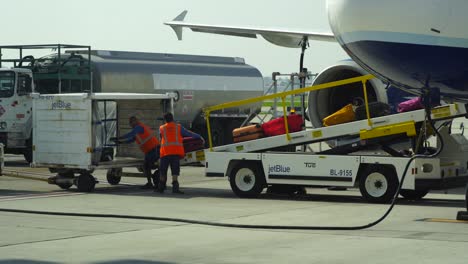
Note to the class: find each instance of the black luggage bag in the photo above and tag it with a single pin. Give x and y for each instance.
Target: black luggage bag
(376, 109)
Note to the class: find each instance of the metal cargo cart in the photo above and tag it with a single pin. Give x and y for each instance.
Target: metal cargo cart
(72, 132)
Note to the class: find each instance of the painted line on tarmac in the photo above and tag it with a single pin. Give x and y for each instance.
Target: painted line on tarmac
(443, 220)
(37, 196)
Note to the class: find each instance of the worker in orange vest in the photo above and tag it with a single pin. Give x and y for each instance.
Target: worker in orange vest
(172, 150)
(145, 138)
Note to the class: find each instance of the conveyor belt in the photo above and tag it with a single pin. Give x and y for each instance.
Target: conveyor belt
(381, 127)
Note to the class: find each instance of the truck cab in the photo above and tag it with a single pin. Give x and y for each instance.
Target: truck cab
(22, 74)
(16, 85)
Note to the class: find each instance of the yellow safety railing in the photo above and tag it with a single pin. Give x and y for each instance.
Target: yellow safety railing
(283, 95)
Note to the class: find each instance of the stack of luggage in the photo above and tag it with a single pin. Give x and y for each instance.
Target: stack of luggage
(350, 113)
(276, 126)
(247, 133)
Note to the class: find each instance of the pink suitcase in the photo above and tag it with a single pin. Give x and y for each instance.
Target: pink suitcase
(410, 105)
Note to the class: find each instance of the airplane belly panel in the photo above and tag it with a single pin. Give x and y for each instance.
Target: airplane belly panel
(406, 43)
(413, 65)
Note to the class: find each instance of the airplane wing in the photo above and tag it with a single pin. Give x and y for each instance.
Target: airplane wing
(284, 38)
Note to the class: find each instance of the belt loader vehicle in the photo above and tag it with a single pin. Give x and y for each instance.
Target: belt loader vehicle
(197, 81)
(373, 159)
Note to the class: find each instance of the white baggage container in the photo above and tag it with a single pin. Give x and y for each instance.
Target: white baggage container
(72, 131)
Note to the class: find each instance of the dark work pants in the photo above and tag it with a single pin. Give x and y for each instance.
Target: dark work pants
(150, 158)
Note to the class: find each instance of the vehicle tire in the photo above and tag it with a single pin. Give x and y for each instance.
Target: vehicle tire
(378, 184)
(28, 154)
(413, 194)
(466, 197)
(114, 176)
(290, 190)
(247, 180)
(66, 174)
(85, 182)
(65, 186)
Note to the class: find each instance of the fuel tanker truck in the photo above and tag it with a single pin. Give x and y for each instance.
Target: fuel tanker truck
(198, 81)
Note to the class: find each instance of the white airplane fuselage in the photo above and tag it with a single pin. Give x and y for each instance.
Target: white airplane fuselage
(408, 43)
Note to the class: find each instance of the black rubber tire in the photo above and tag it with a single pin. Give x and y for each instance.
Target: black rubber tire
(114, 176)
(250, 174)
(290, 190)
(28, 154)
(64, 174)
(414, 195)
(65, 186)
(382, 179)
(85, 182)
(466, 197)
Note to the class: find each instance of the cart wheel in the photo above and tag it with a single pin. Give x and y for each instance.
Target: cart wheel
(85, 182)
(64, 185)
(114, 175)
(64, 175)
(378, 184)
(413, 194)
(247, 180)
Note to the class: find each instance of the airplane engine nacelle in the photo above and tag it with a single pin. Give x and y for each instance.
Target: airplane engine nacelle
(323, 103)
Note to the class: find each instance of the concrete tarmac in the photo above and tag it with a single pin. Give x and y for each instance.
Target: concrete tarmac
(415, 232)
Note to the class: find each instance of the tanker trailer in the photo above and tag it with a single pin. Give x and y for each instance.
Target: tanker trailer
(199, 81)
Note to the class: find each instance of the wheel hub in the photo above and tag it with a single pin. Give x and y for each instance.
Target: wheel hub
(245, 179)
(376, 184)
(248, 179)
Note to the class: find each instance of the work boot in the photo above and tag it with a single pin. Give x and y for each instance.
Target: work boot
(147, 186)
(175, 188)
(161, 187)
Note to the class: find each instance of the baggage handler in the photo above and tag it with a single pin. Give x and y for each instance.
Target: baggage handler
(172, 150)
(145, 138)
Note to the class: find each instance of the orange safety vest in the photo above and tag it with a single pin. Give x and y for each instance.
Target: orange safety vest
(171, 140)
(146, 140)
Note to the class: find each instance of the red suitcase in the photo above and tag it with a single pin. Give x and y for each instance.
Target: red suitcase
(192, 144)
(247, 133)
(276, 127)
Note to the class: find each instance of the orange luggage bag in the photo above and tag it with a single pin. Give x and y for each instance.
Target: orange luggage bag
(247, 133)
